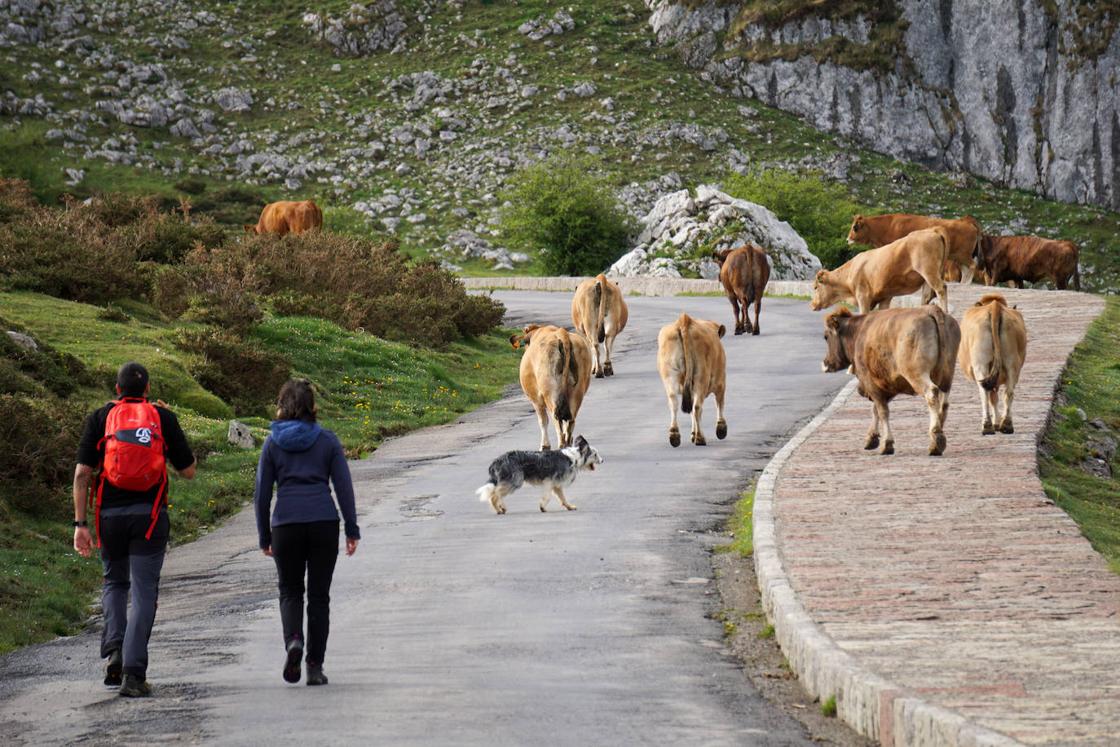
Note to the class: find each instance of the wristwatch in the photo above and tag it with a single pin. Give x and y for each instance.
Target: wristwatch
(82, 523)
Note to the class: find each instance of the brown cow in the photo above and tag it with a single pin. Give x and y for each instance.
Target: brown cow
(599, 313)
(993, 347)
(555, 374)
(692, 363)
(744, 273)
(288, 217)
(897, 351)
(872, 278)
(880, 230)
(1015, 259)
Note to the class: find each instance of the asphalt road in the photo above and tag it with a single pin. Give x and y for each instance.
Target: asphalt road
(452, 625)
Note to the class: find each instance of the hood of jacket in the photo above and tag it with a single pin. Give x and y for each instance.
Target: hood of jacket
(295, 435)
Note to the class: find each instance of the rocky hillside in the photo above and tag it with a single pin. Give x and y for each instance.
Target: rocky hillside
(407, 117)
(1022, 92)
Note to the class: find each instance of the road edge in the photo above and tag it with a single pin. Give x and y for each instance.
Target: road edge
(870, 704)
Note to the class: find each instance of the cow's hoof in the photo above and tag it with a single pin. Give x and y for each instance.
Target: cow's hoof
(739, 330)
(700, 441)
(608, 369)
(755, 331)
(599, 374)
(987, 429)
(721, 430)
(872, 442)
(1006, 427)
(674, 439)
(888, 448)
(937, 446)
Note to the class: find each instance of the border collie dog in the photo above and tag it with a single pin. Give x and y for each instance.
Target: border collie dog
(555, 470)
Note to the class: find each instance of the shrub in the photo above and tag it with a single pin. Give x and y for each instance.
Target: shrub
(170, 289)
(38, 439)
(354, 282)
(818, 210)
(241, 372)
(560, 209)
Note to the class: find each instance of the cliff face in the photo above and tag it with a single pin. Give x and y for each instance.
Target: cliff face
(1023, 92)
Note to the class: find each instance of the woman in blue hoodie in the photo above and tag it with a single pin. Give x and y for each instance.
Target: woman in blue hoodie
(300, 457)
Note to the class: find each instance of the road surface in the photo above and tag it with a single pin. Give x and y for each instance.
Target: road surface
(455, 626)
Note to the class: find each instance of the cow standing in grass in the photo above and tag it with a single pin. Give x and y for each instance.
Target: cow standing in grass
(897, 351)
(693, 364)
(744, 272)
(963, 234)
(555, 374)
(599, 313)
(288, 217)
(871, 279)
(993, 348)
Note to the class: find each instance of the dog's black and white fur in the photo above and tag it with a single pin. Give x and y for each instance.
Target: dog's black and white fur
(555, 470)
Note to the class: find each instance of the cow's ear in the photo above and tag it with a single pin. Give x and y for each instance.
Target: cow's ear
(515, 341)
(821, 275)
(721, 331)
(1015, 306)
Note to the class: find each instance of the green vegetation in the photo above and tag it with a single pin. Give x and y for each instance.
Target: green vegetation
(741, 527)
(1086, 402)
(820, 211)
(561, 210)
(828, 707)
(767, 631)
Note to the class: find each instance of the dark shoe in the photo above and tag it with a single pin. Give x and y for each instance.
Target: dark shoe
(291, 664)
(135, 687)
(113, 669)
(315, 674)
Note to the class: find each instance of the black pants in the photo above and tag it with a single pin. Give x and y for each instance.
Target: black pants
(306, 549)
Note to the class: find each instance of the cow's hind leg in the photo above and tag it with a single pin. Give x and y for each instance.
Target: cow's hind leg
(563, 501)
(935, 398)
(745, 305)
(697, 433)
(608, 347)
(986, 414)
(757, 308)
(736, 310)
(1007, 395)
(596, 360)
(721, 423)
(872, 440)
(968, 271)
(542, 420)
(674, 429)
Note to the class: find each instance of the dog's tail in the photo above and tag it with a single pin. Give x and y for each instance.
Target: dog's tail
(486, 492)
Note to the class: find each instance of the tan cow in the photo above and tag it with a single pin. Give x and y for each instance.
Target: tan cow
(872, 278)
(744, 272)
(599, 313)
(993, 347)
(288, 217)
(555, 374)
(1015, 259)
(880, 230)
(692, 363)
(897, 351)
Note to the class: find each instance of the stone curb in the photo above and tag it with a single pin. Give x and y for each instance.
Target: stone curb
(870, 704)
(644, 286)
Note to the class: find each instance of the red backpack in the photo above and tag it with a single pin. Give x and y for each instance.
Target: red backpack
(134, 458)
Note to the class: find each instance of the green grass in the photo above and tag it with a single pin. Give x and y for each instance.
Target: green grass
(741, 527)
(370, 390)
(828, 707)
(1089, 384)
(767, 631)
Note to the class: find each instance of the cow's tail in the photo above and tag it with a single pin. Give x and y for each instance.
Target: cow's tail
(564, 368)
(599, 298)
(995, 318)
(944, 248)
(684, 330)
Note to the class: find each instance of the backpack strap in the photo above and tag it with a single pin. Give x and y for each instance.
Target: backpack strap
(97, 509)
(161, 498)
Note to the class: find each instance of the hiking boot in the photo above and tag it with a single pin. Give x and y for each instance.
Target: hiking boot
(135, 687)
(113, 668)
(291, 664)
(315, 674)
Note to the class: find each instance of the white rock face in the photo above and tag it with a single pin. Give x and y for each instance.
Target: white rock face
(679, 226)
(998, 88)
(234, 100)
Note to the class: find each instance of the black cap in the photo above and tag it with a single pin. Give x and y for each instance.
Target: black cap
(132, 380)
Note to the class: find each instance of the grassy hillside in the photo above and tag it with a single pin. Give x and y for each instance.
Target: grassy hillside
(370, 389)
(421, 141)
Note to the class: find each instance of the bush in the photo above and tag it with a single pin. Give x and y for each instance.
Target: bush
(348, 280)
(241, 372)
(38, 440)
(818, 210)
(571, 217)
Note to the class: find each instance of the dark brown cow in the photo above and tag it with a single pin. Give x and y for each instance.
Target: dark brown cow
(897, 351)
(744, 272)
(1019, 259)
(963, 233)
(288, 217)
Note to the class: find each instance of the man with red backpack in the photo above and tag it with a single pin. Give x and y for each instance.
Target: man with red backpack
(129, 441)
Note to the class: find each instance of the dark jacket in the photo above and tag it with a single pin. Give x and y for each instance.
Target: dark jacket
(300, 457)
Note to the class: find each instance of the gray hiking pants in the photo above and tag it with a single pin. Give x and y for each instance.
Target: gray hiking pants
(132, 565)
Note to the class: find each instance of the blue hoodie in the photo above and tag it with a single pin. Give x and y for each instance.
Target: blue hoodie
(299, 458)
